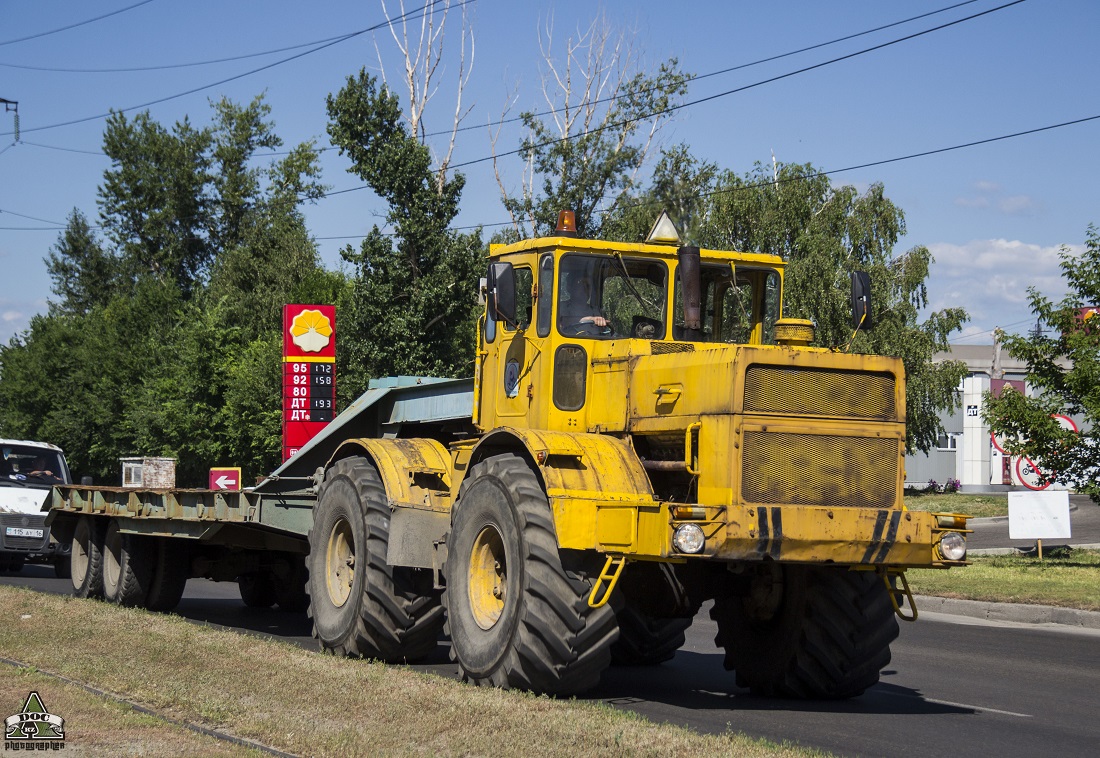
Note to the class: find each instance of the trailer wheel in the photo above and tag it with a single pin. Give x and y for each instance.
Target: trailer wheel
(170, 575)
(807, 632)
(645, 640)
(516, 616)
(360, 605)
(86, 559)
(291, 595)
(258, 589)
(128, 562)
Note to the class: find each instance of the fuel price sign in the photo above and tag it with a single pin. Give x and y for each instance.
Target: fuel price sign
(309, 373)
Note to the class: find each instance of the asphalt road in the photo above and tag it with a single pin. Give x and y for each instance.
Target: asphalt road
(955, 686)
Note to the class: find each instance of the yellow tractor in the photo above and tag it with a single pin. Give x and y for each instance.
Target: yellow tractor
(648, 433)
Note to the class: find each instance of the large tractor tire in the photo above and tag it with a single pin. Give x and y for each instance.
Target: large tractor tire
(86, 559)
(360, 605)
(128, 564)
(516, 616)
(258, 589)
(645, 640)
(807, 632)
(170, 574)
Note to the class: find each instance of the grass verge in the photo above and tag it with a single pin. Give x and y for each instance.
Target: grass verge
(977, 506)
(299, 701)
(1070, 580)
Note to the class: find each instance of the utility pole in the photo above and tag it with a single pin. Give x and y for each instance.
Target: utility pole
(12, 105)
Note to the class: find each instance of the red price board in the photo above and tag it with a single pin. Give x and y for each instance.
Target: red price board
(309, 373)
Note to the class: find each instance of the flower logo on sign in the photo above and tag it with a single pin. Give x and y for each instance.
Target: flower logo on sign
(311, 331)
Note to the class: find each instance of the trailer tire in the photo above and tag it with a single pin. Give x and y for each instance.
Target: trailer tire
(128, 563)
(517, 617)
(86, 559)
(824, 634)
(62, 568)
(645, 640)
(170, 575)
(293, 595)
(258, 589)
(360, 605)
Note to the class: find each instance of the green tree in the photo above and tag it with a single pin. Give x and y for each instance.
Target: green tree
(412, 304)
(1063, 369)
(165, 338)
(84, 274)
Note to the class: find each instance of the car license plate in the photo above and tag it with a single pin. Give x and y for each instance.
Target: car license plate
(18, 531)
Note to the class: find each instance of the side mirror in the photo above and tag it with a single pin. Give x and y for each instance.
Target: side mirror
(861, 300)
(500, 292)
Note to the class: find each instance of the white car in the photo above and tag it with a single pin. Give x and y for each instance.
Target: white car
(27, 472)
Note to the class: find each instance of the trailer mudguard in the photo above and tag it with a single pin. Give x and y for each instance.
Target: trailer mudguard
(599, 494)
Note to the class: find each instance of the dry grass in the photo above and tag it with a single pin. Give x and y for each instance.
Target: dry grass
(97, 725)
(977, 506)
(302, 702)
(1071, 580)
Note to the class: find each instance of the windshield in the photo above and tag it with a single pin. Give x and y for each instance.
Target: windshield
(602, 297)
(29, 466)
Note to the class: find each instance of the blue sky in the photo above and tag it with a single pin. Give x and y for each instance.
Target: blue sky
(994, 215)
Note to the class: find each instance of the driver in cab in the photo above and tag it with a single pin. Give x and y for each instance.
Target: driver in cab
(577, 312)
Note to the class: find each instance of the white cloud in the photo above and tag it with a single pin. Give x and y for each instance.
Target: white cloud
(1017, 205)
(989, 195)
(990, 279)
(10, 316)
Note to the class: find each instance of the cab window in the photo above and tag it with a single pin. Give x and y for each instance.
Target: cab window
(523, 298)
(741, 311)
(604, 297)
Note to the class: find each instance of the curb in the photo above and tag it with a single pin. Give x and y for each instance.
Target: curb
(1003, 519)
(1021, 613)
(1024, 549)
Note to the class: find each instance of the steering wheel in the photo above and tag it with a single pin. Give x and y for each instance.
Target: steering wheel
(587, 328)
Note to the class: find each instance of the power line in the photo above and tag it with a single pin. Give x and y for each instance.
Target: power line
(79, 23)
(698, 77)
(681, 106)
(409, 15)
(169, 66)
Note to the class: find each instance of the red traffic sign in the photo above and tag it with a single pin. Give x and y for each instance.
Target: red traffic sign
(225, 479)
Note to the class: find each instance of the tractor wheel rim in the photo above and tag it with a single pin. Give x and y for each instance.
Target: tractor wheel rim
(340, 563)
(488, 578)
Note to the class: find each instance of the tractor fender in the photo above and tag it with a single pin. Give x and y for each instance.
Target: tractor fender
(599, 494)
(416, 473)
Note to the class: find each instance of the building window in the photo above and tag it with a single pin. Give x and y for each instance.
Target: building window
(948, 442)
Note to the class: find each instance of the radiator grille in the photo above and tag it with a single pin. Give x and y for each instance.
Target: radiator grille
(819, 392)
(812, 469)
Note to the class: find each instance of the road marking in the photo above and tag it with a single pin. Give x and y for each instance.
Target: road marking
(968, 706)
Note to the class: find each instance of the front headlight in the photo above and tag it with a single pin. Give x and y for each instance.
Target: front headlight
(689, 538)
(953, 546)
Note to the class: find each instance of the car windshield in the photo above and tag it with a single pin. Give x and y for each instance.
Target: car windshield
(602, 297)
(29, 466)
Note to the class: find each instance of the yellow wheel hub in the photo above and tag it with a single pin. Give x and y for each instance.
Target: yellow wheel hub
(340, 562)
(488, 576)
